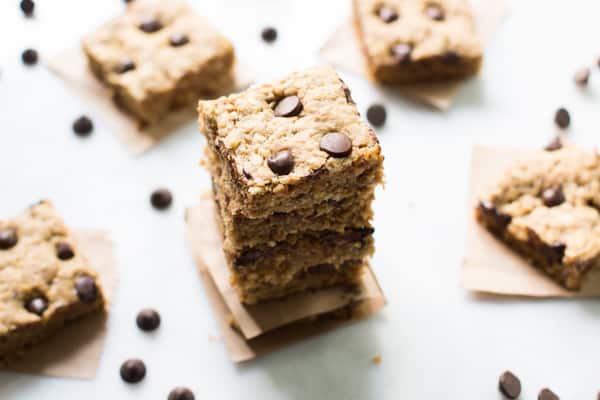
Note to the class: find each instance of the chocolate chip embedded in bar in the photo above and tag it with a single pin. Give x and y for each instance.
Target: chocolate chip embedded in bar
(546, 208)
(160, 56)
(409, 41)
(46, 281)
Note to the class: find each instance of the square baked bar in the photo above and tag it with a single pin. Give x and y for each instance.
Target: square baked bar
(294, 170)
(410, 41)
(546, 208)
(158, 57)
(45, 281)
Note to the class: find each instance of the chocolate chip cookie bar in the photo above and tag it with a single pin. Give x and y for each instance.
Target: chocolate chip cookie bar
(158, 57)
(294, 170)
(410, 41)
(547, 208)
(45, 281)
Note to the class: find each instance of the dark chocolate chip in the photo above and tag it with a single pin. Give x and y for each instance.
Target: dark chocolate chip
(27, 6)
(347, 93)
(376, 114)
(247, 174)
(562, 118)
(8, 238)
(269, 34)
(492, 217)
(509, 385)
(547, 394)
(37, 305)
(336, 144)
(133, 370)
(148, 319)
(281, 162)
(86, 288)
(387, 14)
(64, 251)
(551, 253)
(289, 106)
(555, 144)
(29, 57)
(181, 393)
(161, 199)
(451, 58)
(83, 126)
(248, 257)
(125, 65)
(402, 52)
(582, 76)
(178, 39)
(356, 235)
(553, 196)
(150, 25)
(435, 12)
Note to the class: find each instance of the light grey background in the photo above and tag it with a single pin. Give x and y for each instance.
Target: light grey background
(436, 341)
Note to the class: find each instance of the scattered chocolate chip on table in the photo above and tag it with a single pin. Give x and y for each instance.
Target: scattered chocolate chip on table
(547, 394)
(509, 385)
(27, 6)
(377, 115)
(582, 76)
(161, 199)
(269, 34)
(29, 57)
(562, 118)
(133, 370)
(181, 393)
(83, 126)
(148, 320)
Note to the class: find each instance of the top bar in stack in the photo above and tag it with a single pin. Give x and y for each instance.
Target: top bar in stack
(294, 170)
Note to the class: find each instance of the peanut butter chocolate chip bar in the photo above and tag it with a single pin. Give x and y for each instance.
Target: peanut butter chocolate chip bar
(546, 208)
(410, 41)
(45, 281)
(158, 57)
(294, 170)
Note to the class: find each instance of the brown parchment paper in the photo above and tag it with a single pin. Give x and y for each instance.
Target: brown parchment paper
(491, 266)
(75, 350)
(71, 66)
(342, 50)
(262, 327)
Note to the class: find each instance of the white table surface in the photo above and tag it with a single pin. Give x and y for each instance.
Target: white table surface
(436, 340)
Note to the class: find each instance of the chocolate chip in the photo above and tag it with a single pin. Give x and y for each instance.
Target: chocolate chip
(509, 385)
(387, 14)
(178, 39)
(553, 196)
(83, 126)
(562, 118)
(161, 199)
(376, 114)
(289, 106)
(281, 162)
(133, 370)
(8, 238)
(247, 174)
(582, 76)
(269, 34)
(181, 393)
(27, 6)
(336, 144)
(37, 305)
(451, 58)
(64, 251)
(125, 65)
(402, 52)
(555, 144)
(547, 394)
(148, 319)
(29, 57)
(150, 25)
(347, 93)
(495, 220)
(435, 12)
(248, 257)
(551, 253)
(86, 288)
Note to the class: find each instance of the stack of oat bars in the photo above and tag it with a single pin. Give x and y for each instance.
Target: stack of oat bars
(294, 169)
